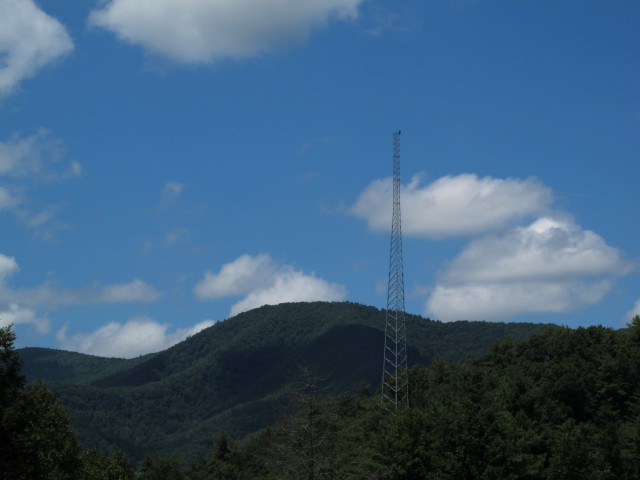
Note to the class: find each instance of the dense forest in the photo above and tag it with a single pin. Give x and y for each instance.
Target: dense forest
(235, 376)
(563, 404)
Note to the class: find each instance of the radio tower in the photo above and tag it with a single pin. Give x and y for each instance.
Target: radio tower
(395, 382)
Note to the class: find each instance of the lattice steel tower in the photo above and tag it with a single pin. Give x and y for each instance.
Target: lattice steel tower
(395, 381)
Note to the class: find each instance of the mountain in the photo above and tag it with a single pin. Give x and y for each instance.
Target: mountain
(234, 375)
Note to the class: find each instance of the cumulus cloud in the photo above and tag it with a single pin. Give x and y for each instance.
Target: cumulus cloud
(243, 275)
(15, 314)
(263, 282)
(29, 40)
(453, 205)
(634, 311)
(138, 336)
(551, 265)
(8, 265)
(205, 31)
(496, 302)
(289, 285)
(547, 249)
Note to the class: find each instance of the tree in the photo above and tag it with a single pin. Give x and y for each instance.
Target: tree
(11, 383)
(224, 463)
(97, 465)
(164, 468)
(302, 443)
(40, 441)
(321, 437)
(224, 460)
(11, 380)
(35, 438)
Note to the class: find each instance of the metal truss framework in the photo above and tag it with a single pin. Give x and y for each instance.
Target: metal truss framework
(395, 382)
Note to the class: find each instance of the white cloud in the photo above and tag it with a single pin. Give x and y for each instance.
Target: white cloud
(40, 218)
(547, 249)
(36, 157)
(15, 314)
(552, 265)
(135, 291)
(138, 336)
(633, 312)
(178, 235)
(289, 285)
(243, 275)
(453, 205)
(204, 31)
(170, 193)
(29, 40)
(6, 199)
(496, 302)
(8, 265)
(172, 188)
(20, 307)
(75, 170)
(28, 161)
(49, 296)
(265, 283)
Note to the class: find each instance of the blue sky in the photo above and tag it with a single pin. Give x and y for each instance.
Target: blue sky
(165, 165)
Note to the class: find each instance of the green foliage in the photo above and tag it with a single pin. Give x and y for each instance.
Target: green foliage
(11, 378)
(224, 464)
(165, 468)
(304, 443)
(564, 404)
(71, 367)
(42, 445)
(35, 439)
(319, 437)
(97, 465)
(234, 375)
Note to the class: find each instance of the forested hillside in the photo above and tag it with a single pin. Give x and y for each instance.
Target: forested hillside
(235, 375)
(562, 405)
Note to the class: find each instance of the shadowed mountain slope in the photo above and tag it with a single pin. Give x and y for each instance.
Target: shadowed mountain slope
(234, 375)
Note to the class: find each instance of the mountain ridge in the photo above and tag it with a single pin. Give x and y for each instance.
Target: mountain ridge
(234, 374)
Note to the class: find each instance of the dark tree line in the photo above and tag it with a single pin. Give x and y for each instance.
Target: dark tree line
(563, 405)
(35, 439)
